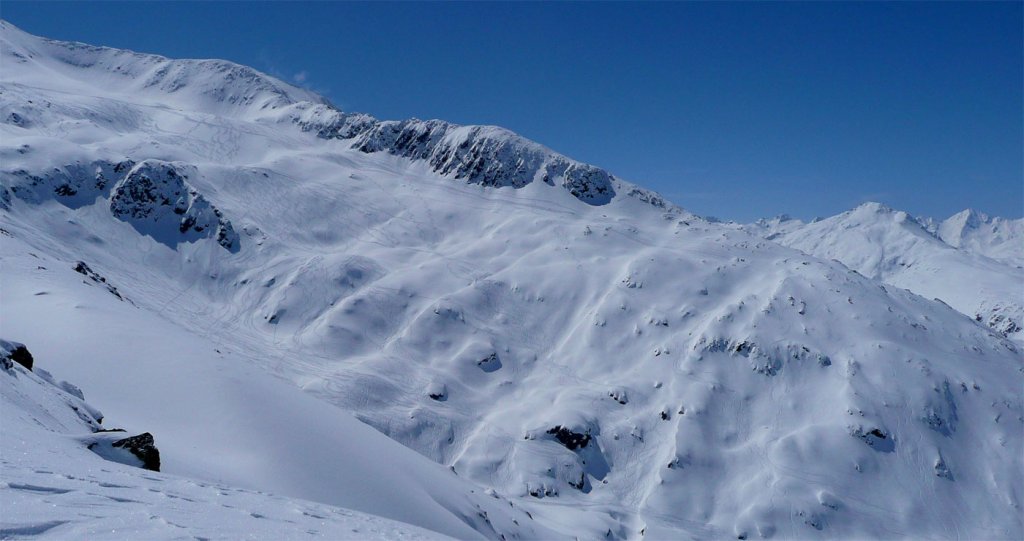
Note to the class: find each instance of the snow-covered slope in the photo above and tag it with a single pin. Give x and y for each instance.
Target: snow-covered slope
(48, 431)
(569, 355)
(891, 246)
(217, 417)
(998, 238)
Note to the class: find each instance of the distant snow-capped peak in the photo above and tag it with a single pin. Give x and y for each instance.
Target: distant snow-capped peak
(970, 261)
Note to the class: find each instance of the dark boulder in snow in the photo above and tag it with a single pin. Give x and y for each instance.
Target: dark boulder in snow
(13, 352)
(571, 440)
(158, 201)
(942, 470)
(437, 391)
(490, 363)
(876, 438)
(35, 394)
(143, 447)
(138, 451)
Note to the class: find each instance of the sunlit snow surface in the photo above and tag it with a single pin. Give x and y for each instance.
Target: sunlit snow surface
(53, 486)
(984, 278)
(726, 386)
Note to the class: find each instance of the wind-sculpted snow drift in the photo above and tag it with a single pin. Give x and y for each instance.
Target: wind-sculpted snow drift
(574, 356)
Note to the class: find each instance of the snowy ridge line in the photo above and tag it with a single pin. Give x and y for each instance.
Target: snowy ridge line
(485, 155)
(220, 84)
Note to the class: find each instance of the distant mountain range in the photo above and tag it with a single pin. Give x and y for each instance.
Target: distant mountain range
(970, 261)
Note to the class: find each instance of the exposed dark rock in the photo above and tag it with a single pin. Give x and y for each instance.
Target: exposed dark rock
(142, 446)
(571, 440)
(941, 414)
(157, 200)
(1002, 323)
(542, 491)
(74, 184)
(82, 268)
(876, 438)
(490, 363)
(484, 155)
(438, 391)
(20, 355)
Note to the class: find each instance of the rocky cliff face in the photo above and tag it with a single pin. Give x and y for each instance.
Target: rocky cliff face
(156, 199)
(485, 155)
(154, 196)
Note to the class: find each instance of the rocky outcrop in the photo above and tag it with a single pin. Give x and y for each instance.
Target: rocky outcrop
(143, 447)
(876, 438)
(569, 439)
(484, 155)
(82, 268)
(158, 201)
(41, 396)
(13, 352)
(74, 184)
(154, 196)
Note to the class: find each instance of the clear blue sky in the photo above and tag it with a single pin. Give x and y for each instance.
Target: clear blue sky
(733, 110)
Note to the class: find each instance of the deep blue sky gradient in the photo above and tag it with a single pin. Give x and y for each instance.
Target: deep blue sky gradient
(734, 110)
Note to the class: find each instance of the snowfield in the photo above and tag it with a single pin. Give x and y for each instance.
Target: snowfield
(462, 330)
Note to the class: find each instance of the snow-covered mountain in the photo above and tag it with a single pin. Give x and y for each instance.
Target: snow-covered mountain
(1001, 239)
(950, 260)
(543, 349)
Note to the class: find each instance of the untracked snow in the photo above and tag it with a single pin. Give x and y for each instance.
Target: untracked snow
(966, 261)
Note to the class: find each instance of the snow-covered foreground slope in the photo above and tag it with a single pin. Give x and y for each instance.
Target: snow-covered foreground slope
(215, 416)
(588, 360)
(54, 486)
(891, 246)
